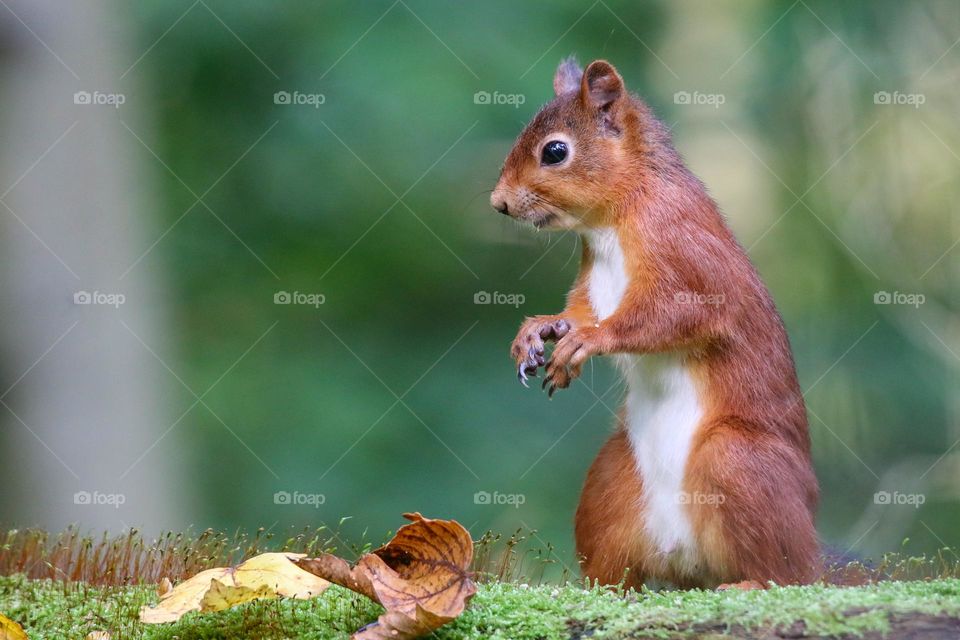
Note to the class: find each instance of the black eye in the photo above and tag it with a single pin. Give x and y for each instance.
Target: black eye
(554, 152)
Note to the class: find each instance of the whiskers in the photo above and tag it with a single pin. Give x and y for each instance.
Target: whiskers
(543, 200)
(535, 208)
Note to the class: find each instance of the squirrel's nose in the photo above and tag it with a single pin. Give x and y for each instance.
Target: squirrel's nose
(500, 204)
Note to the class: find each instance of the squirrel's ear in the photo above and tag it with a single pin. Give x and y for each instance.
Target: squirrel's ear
(567, 77)
(601, 85)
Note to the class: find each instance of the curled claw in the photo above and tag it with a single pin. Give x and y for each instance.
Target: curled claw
(528, 366)
(522, 376)
(527, 369)
(558, 377)
(551, 383)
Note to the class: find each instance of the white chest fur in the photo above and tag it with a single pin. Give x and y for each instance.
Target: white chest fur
(662, 410)
(608, 275)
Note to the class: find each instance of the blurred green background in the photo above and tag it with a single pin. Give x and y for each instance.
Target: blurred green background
(397, 393)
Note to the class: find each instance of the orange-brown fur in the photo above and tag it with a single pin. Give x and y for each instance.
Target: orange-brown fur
(751, 445)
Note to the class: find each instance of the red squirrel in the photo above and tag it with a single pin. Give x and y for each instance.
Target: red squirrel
(707, 479)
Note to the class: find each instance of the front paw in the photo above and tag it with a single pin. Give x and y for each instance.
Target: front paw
(567, 360)
(527, 349)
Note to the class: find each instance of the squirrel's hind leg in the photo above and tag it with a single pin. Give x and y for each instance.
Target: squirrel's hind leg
(753, 518)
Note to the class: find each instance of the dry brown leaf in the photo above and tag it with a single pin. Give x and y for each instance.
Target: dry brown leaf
(421, 577)
(10, 630)
(98, 635)
(268, 575)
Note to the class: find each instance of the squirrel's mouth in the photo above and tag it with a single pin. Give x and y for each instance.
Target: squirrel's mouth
(542, 219)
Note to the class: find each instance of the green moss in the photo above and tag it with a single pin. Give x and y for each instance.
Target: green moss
(500, 611)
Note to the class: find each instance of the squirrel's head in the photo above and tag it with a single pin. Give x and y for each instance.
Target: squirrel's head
(567, 165)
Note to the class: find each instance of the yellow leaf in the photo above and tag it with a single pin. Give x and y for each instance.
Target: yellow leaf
(269, 575)
(10, 630)
(222, 596)
(185, 597)
(273, 570)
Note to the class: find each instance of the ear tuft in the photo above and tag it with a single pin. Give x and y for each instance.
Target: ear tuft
(601, 85)
(568, 75)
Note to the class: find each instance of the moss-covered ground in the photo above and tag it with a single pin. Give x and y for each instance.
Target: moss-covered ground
(917, 610)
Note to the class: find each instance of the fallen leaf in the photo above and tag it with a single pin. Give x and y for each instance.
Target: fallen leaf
(273, 570)
(421, 577)
(185, 597)
(222, 596)
(268, 575)
(98, 635)
(10, 630)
